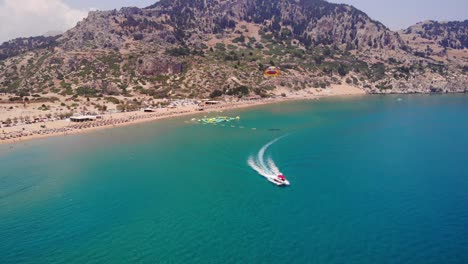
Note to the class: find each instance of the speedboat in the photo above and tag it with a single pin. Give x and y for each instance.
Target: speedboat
(279, 180)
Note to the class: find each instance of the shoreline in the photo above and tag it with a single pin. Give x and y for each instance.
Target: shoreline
(65, 128)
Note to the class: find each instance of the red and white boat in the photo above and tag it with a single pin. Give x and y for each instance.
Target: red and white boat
(279, 180)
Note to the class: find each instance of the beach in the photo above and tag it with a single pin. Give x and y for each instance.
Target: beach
(20, 133)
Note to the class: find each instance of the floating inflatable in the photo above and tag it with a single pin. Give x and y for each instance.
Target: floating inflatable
(218, 119)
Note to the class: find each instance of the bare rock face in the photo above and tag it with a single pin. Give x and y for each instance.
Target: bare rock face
(95, 31)
(313, 22)
(110, 88)
(155, 66)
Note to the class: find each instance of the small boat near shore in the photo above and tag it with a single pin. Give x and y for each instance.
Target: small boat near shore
(279, 180)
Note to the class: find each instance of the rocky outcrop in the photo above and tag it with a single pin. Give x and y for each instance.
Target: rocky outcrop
(21, 45)
(156, 66)
(312, 22)
(95, 31)
(453, 34)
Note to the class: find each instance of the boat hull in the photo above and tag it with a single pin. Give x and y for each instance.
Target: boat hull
(278, 182)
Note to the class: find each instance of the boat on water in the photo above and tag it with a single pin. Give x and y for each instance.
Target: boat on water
(279, 180)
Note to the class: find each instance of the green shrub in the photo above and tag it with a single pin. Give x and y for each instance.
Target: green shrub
(216, 93)
(220, 47)
(241, 90)
(342, 70)
(85, 91)
(384, 86)
(65, 85)
(378, 71)
(240, 39)
(112, 100)
(179, 51)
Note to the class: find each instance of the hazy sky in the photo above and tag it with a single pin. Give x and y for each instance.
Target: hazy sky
(23, 18)
(108, 4)
(400, 14)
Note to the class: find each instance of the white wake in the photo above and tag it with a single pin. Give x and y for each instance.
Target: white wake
(266, 168)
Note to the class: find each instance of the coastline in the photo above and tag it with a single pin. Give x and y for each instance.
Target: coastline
(64, 128)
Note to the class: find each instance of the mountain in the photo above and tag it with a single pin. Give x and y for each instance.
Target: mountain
(198, 48)
(52, 33)
(452, 34)
(443, 41)
(311, 22)
(21, 45)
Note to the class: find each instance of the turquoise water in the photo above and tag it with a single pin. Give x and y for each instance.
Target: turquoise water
(373, 180)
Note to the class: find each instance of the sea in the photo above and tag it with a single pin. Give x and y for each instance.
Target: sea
(373, 179)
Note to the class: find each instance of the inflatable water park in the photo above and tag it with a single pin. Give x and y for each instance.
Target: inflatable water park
(218, 119)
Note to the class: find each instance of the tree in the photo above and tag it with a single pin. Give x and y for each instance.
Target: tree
(240, 39)
(378, 71)
(261, 67)
(216, 93)
(275, 25)
(180, 51)
(319, 59)
(342, 70)
(138, 36)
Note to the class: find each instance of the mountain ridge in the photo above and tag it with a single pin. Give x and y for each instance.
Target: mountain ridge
(181, 48)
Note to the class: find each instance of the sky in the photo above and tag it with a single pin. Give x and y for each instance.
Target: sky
(400, 14)
(24, 18)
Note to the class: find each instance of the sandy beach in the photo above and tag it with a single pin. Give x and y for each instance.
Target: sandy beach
(21, 133)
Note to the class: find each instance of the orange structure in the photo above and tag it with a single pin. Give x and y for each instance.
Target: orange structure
(272, 71)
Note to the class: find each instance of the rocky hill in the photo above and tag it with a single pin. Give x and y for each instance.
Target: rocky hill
(198, 48)
(444, 42)
(452, 34)
(21, 45)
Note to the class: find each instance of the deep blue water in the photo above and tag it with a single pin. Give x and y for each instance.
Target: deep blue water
(373, 180)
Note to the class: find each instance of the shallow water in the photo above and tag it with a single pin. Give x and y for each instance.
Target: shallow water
(373, 180)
